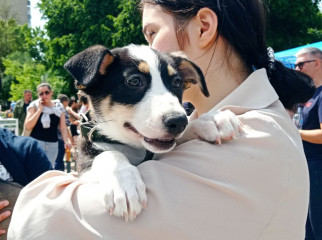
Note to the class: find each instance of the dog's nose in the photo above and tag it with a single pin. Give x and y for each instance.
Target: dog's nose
(175, 123)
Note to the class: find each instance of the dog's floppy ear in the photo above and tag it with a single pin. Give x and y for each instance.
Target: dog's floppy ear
(190, 72)
(88, 64)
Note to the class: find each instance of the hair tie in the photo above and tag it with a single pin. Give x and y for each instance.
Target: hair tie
(271, 60)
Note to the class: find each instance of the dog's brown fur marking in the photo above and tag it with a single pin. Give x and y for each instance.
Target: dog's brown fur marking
(107, 60)
(144, 67)
(171, 70)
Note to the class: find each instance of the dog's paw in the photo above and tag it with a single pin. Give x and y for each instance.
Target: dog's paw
(126, 193)
(213, 127)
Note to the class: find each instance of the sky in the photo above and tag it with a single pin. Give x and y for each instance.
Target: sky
(36, 20)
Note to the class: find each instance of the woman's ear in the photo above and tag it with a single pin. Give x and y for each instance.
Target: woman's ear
(208, 23)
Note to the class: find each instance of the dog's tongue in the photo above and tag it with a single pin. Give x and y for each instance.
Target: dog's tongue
(161, 144)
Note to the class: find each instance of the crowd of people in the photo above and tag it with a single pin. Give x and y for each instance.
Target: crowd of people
(47, 127)
(264, 185)
(52, 122)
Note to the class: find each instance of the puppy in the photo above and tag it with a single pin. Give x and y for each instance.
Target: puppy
(136, 105)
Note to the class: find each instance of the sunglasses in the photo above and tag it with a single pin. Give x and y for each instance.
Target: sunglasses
(45, 92)
(301, 64)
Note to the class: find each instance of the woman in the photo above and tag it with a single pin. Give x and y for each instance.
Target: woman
(254, 187)
(44, 116)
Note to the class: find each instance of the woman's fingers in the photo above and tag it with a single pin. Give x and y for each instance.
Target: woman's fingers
(4, 203)
(4, 215)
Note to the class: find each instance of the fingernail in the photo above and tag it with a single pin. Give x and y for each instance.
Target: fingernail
(2, 231)
(6, 213)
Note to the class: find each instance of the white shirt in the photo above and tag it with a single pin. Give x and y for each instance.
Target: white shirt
(4, 174)
(254, 187)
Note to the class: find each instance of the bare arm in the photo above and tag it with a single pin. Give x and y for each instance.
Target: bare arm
(63, 129)
(73, 113)
(70, 136)
(312, 136)
(32, 117)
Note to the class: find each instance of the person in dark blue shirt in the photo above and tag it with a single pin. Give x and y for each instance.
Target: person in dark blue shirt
(21, 161)
(309, 61)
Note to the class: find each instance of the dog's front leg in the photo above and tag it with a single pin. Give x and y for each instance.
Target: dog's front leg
(126, 192)
(213, 127)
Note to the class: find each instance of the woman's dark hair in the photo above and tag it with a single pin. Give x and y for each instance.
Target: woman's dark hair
(71, 101)
(62, 98)
(242, 24)
(83, 99)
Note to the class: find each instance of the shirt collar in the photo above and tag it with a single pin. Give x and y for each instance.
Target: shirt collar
(255, 92)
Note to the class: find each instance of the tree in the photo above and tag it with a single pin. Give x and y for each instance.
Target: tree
(293, 23)
(17, 38)
(127, 25)
(73, 25)
(26, 73)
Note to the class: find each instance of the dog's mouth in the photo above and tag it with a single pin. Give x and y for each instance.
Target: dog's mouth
(157, 144)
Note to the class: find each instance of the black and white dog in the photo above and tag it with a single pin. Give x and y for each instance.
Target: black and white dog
(135, 94)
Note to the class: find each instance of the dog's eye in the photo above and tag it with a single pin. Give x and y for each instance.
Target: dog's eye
(176, 81)
(134, 81)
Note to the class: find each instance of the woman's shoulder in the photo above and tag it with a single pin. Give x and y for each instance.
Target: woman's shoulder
(34, 104)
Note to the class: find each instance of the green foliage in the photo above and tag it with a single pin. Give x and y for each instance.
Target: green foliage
(73, 25)
(127, 25)
(11, 38)
(293, 23)
(14, 37)
(17, 38)
(26, 73)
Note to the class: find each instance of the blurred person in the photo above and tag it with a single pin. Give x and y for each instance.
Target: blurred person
(59, 163)
(9, 112)
(21, 161)
(20, 110)
(309, 61)
(44, 116)
(72, 109)
(84, 104)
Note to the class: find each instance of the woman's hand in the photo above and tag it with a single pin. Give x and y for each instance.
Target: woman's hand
(4, 214)
(68, 145)
(41, 105)
(33, 115)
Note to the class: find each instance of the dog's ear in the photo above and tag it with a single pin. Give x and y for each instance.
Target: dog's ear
(88, 64)
(190, 72)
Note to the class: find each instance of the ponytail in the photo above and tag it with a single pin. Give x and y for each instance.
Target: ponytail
(291, 86)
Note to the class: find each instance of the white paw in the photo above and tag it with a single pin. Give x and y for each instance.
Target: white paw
(126, 193)
(213, 127)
